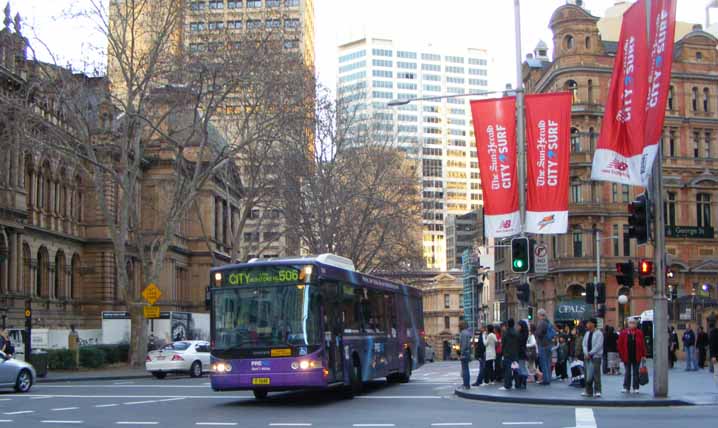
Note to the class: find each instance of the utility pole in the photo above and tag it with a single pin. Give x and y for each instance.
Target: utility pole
(520, 145)
(597, 279)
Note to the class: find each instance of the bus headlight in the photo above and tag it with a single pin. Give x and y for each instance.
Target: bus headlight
(304, 364)
(295, 365)
(222, 367)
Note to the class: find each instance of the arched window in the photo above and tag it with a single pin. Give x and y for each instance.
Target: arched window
(60, 273)
(575, 291)
(694, 99)
(699, 56)
(706, 97)
(77, 214)
(670, 97)
(74, 276)
(43, 273)
(568, 42)
(588, 42)
(575, 140)
(572, 86)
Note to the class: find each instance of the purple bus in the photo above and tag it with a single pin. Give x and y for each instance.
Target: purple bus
(310, 322)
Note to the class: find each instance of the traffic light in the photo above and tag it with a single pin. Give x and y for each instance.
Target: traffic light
(639, 219)
(530, 314)
(600, 293)
(523, 293)
(624, 273)
(645, 273)
(601, 311)
(520, 255)
(590, 293)
(670, 274)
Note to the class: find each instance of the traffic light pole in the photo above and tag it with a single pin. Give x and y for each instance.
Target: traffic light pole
(660, 303)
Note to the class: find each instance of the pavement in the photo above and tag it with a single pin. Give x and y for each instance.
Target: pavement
(685, 389)
(114, 373)
(428, 401)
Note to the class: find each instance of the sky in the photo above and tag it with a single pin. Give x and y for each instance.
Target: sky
(485, 24)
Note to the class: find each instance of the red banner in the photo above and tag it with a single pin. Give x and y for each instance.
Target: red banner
(495, 130)
(619, 149)
(548, 135)
(635, 109)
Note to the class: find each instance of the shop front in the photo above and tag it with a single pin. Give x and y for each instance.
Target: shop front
(571, 312)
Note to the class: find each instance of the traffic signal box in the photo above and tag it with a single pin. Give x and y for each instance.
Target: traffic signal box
(639, 219)
(520, 255)
(523, 293)
(624, 273)
(645, 273)
(595, 293)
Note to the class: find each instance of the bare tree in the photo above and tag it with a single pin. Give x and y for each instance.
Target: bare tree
(193, 111)
(358, 194)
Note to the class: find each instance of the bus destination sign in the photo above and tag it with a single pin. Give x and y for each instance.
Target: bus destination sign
(263, 275)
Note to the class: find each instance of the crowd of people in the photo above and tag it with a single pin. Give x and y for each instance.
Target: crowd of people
(515, 354)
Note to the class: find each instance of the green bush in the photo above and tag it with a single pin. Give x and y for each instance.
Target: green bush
(92, 357)
(60, 359)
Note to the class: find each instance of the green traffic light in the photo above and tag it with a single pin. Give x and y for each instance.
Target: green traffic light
(518, 264)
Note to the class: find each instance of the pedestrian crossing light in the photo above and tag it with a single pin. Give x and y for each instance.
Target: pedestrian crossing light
(645, 277)
(520, 255)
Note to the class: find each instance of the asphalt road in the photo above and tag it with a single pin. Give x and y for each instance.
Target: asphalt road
(427, 401)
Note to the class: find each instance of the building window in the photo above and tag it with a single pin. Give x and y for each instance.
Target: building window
(234, 4)
(694, 99)
(699, 56)
(576, 193)
(588, 42)
(590, 89)
(273, 3)
(216, 4)
(703, 209)
(382, 52)
(254, 3)
(447, 323)
(291, 3)
(615, 240)
(447, 301)
(669, 211)
(706, 98)
(672, 142)
(575, 141)
(273, 23)
(670, 98)
(625, 192)
(614, 192)
(577, 244)
(626, 241)
(431, 167)
(696, 144)
(708, 136)
(572, 87)
(592, 138)
(568, 42)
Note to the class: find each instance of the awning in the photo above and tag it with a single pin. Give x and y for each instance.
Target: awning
(569, 310)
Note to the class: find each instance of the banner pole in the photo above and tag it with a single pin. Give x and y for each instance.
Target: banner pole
(520, 146)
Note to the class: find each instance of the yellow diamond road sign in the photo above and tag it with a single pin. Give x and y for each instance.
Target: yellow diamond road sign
(152, 294)
(152, 312)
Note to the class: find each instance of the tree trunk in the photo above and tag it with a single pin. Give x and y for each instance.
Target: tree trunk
(138, 335)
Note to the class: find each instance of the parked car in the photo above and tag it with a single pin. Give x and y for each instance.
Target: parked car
(429, 353)
(186, 356)
(16, 374)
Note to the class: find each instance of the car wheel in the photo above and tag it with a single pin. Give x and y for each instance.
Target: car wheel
(196, 369)
(259, 394)
(159, 375)
(24, 381)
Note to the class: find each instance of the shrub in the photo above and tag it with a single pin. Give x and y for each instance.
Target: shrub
(114, 353)
(92, 357)
(60, 359)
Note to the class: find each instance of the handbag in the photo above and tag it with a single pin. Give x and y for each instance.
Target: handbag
(643, 374)
(531, 353)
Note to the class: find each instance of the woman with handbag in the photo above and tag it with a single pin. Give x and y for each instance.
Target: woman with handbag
(632, 349)
(532, 354)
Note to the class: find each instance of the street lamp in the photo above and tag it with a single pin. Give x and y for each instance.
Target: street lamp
(403, 102)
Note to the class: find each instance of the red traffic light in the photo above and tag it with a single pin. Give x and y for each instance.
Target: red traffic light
(646, 267)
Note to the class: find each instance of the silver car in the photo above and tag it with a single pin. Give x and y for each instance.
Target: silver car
(15, 373)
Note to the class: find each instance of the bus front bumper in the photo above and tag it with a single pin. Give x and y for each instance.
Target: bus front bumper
(268, 381)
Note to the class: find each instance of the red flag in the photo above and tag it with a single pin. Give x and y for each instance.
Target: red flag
(495, 130)
(548, 133)
(660, 42)
(618, 155)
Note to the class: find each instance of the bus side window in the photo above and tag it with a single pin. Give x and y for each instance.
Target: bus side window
(392, 312)
(351, 309)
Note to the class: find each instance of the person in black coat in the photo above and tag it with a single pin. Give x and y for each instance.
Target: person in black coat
(702, 345)
(480, 354)
(713, 348)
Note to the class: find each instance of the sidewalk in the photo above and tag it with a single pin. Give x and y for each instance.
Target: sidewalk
(84, 375)
(684, 389)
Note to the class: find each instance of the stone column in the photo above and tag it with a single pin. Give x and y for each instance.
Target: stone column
(12, 260)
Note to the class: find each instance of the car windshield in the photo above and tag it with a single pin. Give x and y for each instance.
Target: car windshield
(177, 346)
(266, 316)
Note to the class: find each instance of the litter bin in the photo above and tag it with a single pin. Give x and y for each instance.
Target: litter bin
(38, 359)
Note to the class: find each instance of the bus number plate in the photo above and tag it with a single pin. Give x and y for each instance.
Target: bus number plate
(260, 381)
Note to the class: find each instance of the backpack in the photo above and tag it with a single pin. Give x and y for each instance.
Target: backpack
(550, 331)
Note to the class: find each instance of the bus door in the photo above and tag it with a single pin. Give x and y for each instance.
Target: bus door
(393, 344)
(332, 326)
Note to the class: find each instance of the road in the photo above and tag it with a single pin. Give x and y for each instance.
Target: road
(427, 401)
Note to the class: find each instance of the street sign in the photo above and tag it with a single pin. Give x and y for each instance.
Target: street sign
(152, 312)
(152, 294)
(540, 259)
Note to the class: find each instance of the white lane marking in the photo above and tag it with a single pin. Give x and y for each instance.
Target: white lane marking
(420, 382)
(136, 423)
(584, 418)
(215, 397)
(290, 424)
(170, 399)
(19, 412)
(373, 425)
(452, 424)
(63, 422)
(522, 423)
(221, 424)
(130, 403)
(5, 399)
(124, 386)
(123, 383)
(40, 397)
(398, 397)
(4, 421)
(106, 405)
(64, 408)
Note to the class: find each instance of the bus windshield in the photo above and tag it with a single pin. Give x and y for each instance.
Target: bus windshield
(259, 317)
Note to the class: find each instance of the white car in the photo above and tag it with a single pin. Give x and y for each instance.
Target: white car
(15, 374)
(186, 356)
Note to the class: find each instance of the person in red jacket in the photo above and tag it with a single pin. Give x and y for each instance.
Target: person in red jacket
(632, 350)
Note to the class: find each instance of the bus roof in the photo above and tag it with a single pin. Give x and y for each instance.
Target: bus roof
(331, 266)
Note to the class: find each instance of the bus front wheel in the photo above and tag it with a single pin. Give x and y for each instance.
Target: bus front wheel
(259, 394)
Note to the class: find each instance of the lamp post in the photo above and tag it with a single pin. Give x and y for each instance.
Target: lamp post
(597, 278)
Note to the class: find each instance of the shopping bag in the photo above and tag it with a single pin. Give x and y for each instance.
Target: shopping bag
(643, 374)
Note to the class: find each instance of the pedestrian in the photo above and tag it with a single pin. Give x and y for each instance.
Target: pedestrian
(522, 373)
(611, 347)
(510, 353)
(672, 345)
(562, 358)
(498, 366)
(713, 347)
(592, 352)
(465, 353)
(490, 343)
(532, 354)
(632, 348)
(689, 348)
(569, 333)
(4, 341)
(545, 333)
(480, 355)
(702, 345)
